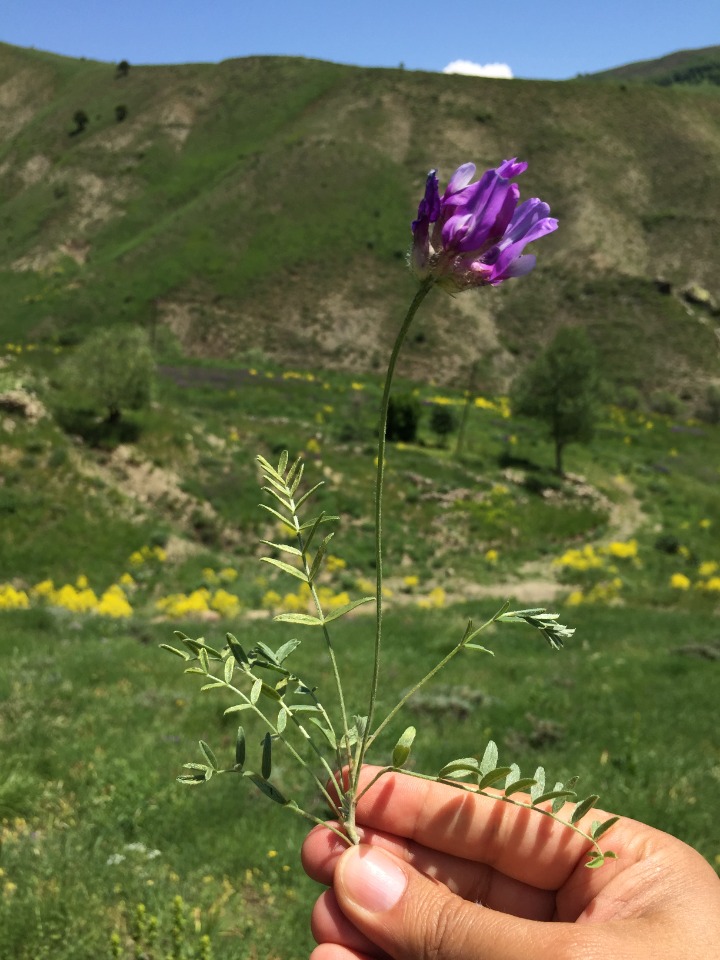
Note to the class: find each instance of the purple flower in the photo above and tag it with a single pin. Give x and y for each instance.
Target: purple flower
(475, 233)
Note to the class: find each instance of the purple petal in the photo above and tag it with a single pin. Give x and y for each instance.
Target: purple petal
(519, 267)
(461, 178)
(490, 209)
(429, 207)
(511, 168)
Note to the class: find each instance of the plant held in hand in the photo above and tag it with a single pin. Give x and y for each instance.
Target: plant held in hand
(471, 236)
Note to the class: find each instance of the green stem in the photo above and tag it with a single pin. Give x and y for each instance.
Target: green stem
(471, 788)
(469, 635)
(328, 644)
(382, 427)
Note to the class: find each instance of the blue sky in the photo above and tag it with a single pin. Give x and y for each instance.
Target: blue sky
(545, 39)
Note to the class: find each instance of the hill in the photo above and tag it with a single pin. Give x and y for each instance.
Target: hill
(685, 67)
(263, 205)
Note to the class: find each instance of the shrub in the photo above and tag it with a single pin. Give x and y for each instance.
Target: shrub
(403, 419)
(113, 369)
(442, 420)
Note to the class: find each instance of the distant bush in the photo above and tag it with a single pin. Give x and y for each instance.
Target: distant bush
(667, 543)
(113, 370)
(710, 412)
(442, 420)
(81, 120)
(662, 401)
(627, 397)
(403, 419)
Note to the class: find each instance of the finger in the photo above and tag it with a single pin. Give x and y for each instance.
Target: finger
(330, 925)
(469, 880)
(515, 841)
(410, 915)
(335, 951)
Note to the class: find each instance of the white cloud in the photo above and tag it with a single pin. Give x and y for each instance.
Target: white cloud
(500, 71)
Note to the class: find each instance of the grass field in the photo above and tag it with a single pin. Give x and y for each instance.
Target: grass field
(104, 854)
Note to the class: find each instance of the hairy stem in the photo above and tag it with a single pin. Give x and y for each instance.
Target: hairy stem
(380, 473)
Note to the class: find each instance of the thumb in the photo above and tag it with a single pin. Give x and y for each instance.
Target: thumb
(410, 915)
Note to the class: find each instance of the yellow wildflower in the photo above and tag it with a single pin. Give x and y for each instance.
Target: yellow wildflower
(678, 581)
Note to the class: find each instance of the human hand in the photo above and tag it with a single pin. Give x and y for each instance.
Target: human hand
(453, 875)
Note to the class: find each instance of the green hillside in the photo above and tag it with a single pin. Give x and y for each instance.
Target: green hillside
(264, 204)
(685, 67)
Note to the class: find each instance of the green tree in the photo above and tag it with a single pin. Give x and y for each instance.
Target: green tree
(113, 369)
(442, 421)
(561, 386)
(403, 418)
(81, 120)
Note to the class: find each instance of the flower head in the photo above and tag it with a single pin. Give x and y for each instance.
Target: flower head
(475, 233)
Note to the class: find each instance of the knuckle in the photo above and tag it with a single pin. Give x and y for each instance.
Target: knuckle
(442, 932)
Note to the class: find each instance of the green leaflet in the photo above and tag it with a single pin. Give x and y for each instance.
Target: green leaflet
(285, 547)
(341, 611)
(490, 758)
(524, 783)
(288, 523)
(602, 828)
(493, 776)
(178, 653)
(537, 790)
(283, 652)
(403, 747)
(464, 767)
(309, 493)
(303, 618)
(286, 568)
(229, 669)
(266, 787)
(582, 808)
(319, 556)
(209, 755)
(266, 763)
(240, 748)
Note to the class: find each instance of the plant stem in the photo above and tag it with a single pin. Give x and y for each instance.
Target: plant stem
(382, 427)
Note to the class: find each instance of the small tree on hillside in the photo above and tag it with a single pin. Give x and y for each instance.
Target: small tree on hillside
(81, 120)
(113, 369)
(403, 419)
(442, 421)
(561, 387)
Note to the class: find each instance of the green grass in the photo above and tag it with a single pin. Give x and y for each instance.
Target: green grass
(96, 721)
(612, 707)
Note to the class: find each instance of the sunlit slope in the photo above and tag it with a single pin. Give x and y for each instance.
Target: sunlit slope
(265, 203)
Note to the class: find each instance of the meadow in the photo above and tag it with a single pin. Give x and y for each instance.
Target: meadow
(110, 542)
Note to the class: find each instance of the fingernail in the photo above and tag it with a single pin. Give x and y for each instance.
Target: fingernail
(372, 879)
